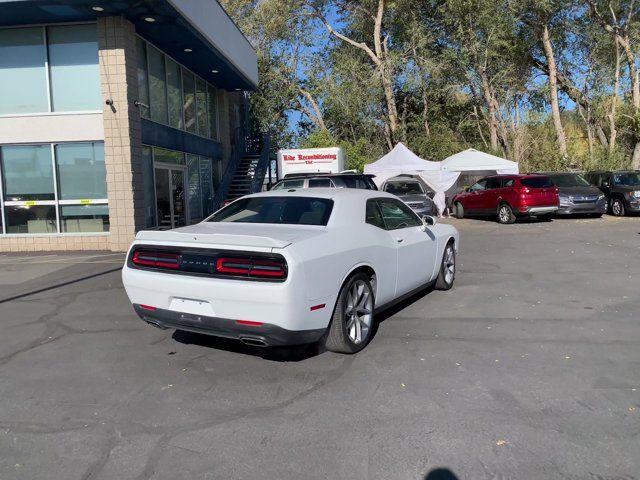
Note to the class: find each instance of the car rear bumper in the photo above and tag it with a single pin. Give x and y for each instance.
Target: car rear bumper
(262, 335)
(283, 305)
(545, 210)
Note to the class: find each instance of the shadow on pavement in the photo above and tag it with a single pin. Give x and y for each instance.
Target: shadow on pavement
(294, 353)
(440, 474)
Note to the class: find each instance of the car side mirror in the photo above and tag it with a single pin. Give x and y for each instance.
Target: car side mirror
(429, 221)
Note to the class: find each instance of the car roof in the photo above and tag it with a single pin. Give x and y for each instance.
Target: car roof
(293, 176)
(330, 193)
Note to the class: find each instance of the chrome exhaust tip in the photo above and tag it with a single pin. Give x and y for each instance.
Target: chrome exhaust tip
(253, 342)
(155, 324)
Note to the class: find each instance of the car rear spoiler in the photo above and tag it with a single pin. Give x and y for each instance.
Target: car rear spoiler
(161, 236)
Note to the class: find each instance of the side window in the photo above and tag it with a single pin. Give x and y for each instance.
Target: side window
(507, 182)
(319, 183)
(373, 215)
(292, 184)
(493, 183)
(478, 186)
(397, 215)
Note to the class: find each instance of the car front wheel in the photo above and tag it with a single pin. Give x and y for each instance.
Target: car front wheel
(617, 207)
(459, 210)
(447, 274)
(352, 321)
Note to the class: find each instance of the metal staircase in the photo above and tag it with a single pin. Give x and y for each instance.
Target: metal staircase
(246, 170)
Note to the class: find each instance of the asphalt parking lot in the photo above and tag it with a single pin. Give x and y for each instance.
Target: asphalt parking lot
(528, 369)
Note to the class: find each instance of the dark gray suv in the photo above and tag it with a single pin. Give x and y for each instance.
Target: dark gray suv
(621, 188)
(577, 196)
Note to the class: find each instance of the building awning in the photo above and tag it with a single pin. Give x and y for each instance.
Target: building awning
(197, 33)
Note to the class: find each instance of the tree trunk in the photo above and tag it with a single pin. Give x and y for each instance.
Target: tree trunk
(635, 159)
(492, 120)
(553, 92)
(633, 72)
(613, 132)
(392, 111)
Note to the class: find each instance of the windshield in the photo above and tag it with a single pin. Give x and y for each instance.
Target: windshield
(404, 188)
(569, 180)
(278, 210)
(627, 179)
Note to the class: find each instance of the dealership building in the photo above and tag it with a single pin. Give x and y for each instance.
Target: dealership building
(115, 116)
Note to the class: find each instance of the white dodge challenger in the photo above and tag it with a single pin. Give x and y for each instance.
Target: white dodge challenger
(290, 267)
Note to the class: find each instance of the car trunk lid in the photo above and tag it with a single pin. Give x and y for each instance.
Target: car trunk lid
(231, 235)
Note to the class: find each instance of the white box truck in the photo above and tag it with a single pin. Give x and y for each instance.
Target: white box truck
(310, 160)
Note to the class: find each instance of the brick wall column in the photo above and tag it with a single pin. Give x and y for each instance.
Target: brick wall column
(122, 138)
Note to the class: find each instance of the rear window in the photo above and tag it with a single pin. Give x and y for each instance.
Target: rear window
(536, 182)
(404, 188)
(277, 210)
(352, 181)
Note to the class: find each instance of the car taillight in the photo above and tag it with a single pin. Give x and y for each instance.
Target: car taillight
(251, 267)
(156, 259)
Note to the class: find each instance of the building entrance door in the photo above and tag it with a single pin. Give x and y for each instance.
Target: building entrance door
(170, 197)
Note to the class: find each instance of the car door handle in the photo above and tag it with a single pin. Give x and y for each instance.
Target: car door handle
(399, 240)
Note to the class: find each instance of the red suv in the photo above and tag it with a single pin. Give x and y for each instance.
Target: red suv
(509, 197)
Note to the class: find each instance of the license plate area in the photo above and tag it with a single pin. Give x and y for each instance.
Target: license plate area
(191, 306)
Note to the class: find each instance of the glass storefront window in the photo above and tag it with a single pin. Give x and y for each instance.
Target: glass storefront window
(31, 219)
(193, 181)
(189, 96)
(157, 85)
(201, 103)
(143, 77)
(33, 202)
(162, 155)
(73, 68)
(27, 172)
(81, 171)
(174, 94)
(84, 218)
(148, 186)
(207, 187)
(22, 71)
(212, 105)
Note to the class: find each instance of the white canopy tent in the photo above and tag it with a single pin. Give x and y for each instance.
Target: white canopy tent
(401, 161)
(440, 176)
(473, 160)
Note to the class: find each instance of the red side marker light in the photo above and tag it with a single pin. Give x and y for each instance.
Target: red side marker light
(249, 323)
(318, 307)
(148, 307)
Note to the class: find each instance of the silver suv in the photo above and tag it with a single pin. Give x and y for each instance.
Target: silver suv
(413, 193)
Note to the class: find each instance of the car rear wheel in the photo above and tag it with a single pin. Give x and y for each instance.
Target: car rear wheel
(617, 207)
(352, 321)
(505, 214)
(447, 274)
(459, 210)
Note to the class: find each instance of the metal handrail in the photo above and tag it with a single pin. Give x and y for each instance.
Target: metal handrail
(237, 152)
(261, 167)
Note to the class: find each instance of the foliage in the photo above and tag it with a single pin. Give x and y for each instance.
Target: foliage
(462, 73)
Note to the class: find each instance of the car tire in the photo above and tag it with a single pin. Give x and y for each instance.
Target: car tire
(447, 274)
(505, 214)
(459, 210)
(617, 207)
(351, 328)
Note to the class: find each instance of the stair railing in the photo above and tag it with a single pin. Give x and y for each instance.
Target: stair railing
(261, 166)
(237, 152)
